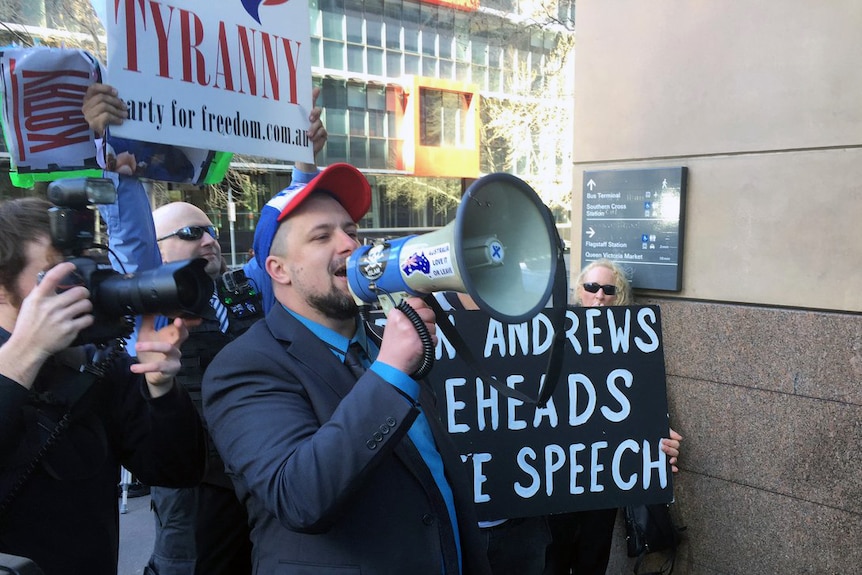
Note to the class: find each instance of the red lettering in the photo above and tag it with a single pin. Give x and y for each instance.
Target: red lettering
(52, 101)
(54, 141)
(194, 60)
(271, 65)
(223, 67)
(291, 66)
(35, 77)
(192, 34)
(131, 30)
(248, 54)
(16, 94)
(47, 97)
(162, 33)
(57, 119)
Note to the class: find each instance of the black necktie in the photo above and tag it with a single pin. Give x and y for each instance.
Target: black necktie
(353, 359)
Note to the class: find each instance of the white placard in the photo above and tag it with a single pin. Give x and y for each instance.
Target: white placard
(228, 76)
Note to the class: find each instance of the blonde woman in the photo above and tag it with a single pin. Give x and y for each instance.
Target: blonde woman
(603, 282)
(581, 541)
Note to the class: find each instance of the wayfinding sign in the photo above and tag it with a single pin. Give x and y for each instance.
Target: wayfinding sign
(635, 218)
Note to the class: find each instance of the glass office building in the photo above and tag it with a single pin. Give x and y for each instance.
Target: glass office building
(402, 85)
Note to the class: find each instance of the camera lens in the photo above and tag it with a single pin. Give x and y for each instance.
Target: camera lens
(175, 289)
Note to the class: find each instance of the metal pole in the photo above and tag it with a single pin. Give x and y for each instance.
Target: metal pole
(231, 218)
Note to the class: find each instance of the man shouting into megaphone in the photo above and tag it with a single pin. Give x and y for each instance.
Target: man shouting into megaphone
(335, 449)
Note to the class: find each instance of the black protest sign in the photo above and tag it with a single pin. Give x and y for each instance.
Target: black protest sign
(595, 445)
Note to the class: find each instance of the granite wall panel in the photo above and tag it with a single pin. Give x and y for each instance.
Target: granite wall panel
(769, 403)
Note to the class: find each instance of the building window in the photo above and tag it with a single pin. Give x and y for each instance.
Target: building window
(411, 39)
(445, 45)
(447, 69)
(429, 43)
(354, 29)
(393, 35)
(429, 67)
(393, 64)
(333, 55)
(374, 34)
(411, 64)
(375, 62)
(315, 51)
(333, 26)
(355, 58)
(443, 117)
(358, 151)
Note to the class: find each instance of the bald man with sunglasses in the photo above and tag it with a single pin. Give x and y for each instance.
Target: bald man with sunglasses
(184, 231)
(202, 530)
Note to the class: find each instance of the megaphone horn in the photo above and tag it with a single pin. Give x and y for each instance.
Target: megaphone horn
(501, 250)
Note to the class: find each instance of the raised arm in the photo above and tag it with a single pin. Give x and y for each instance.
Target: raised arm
(131, 234)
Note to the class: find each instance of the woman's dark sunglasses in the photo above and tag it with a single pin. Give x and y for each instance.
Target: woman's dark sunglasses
(593, 287)
(191, 233)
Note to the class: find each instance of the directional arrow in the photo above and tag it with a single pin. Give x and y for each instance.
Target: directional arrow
(591, 232)
(591, 184)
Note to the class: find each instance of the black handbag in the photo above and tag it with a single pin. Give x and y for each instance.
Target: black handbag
(650, 528)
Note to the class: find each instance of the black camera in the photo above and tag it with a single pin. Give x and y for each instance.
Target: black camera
(238, 294)
(175, 289)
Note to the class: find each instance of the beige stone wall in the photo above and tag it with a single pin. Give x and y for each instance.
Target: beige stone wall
(762, 101)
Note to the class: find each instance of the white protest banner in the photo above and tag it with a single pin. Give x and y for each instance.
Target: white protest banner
(596, 445)
(231, 76)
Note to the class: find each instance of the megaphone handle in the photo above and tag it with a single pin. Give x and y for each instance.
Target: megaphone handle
(427, 343)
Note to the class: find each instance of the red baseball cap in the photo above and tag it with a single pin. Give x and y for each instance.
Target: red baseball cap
(343, 182)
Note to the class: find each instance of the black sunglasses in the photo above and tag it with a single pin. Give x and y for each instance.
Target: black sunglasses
(593, 287)
(191, 233)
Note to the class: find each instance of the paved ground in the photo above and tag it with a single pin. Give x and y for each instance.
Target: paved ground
(136, 536)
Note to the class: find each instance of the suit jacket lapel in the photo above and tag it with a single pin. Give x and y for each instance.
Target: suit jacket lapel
(307, 349)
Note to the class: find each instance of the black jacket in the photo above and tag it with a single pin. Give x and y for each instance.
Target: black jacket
(65, 515)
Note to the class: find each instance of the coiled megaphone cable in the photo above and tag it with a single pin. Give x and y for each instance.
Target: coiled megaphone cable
(424, 335)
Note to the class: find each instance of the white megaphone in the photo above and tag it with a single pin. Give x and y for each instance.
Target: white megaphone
(501, 249)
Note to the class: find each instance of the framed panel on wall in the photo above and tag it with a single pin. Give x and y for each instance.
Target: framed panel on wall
(635, 218)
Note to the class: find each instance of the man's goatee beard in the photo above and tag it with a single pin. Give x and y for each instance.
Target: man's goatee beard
(335, 305)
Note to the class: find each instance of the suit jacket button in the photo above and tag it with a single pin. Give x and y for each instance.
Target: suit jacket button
(428, 519)
(377, 436)
(390, 421)
(371, 444)
(384, 429)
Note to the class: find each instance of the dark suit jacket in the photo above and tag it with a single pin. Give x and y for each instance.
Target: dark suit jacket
(323, 463)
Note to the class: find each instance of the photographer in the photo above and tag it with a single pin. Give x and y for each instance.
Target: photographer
(70, 416)
(204, 529)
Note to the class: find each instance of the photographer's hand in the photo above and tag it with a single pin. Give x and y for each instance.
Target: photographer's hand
(102, 107)
(159, 353)
(47, 322)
